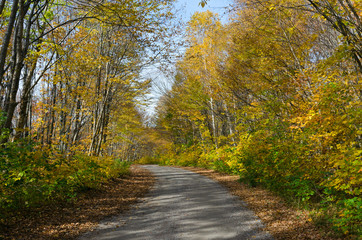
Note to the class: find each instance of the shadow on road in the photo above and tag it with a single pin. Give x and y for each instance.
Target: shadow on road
(183, 205)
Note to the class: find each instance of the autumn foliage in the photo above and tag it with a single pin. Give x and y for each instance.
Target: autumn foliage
(275, 96)
(70, 90)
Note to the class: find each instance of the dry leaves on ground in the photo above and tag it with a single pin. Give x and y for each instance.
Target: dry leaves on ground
(281, 220)
(69, 220)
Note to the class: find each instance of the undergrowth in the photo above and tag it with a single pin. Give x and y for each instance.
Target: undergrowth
(32, 175)
(329, 207)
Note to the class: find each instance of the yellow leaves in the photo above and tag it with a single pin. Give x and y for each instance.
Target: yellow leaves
(271, 8)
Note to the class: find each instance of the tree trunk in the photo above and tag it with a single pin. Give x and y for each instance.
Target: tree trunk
(18, 67)
(7, 37)
(25, 99)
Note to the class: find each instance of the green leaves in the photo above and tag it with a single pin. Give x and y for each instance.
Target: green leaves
(265, 97)
(31, 175)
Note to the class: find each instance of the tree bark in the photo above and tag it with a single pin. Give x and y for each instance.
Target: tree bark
(24, 102)
(7, 37)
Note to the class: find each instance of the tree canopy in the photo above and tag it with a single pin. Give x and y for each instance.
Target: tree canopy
(274, 96)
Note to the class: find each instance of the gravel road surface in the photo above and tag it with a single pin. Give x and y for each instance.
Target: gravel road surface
(183, 205)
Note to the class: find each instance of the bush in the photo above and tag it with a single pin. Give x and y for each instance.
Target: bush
(349, 216)
(148, 160)
(32, 175)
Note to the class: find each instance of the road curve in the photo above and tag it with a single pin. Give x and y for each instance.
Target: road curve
(183, 205)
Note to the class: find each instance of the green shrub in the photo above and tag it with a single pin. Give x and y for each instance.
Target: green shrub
(32, 175)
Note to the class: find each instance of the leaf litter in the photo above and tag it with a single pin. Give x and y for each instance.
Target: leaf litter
(280, 219)
(68, 220)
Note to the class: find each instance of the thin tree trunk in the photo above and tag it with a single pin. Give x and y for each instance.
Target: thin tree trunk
(53, 96)
(231, 132)
(98, 121)
(213, 121)
(25, 99)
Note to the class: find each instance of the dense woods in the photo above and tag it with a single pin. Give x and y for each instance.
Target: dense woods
(274, 96)
(70, 84)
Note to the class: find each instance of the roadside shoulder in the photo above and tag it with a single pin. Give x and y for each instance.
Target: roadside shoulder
(64, 220)
(281, 220)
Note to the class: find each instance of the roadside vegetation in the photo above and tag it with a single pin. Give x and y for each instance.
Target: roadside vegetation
(274, 96)
(70, 219)
(32, 176)
(70, 91)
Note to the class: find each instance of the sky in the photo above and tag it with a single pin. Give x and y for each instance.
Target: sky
(185, 9)
(189, 7)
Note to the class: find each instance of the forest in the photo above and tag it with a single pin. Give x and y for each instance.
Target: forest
(273, 95)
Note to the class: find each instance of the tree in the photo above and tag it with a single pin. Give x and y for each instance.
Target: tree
(344, 17)
(274, 96)
(40, 30)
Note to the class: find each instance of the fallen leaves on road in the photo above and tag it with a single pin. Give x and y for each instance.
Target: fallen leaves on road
(280, 220)
(69, 220)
